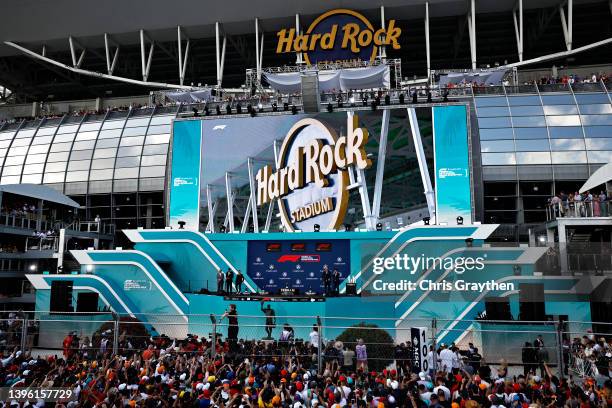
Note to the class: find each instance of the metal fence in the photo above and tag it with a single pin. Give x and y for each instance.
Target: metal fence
(578, 209)
(322, 343)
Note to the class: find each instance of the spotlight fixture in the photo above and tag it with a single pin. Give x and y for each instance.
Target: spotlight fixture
(379, 226)
(182, 224)
(348, 227)
(317, 228)
(459, 220)
(469, 242)
(251, 228)
(222, 229)
(426, 220)
(330, 107)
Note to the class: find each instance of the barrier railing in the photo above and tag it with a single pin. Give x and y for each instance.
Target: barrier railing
(321, 343)
(578, 209)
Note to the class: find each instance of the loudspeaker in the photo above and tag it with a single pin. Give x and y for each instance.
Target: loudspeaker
(87, 302)
(498, 308)
(531, 302)
(351, 289)
(310, 92)
(61, 296)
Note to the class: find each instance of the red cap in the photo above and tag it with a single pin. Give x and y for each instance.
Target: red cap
(342, 378)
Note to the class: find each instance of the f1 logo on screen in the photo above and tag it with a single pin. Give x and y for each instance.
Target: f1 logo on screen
(338, 35)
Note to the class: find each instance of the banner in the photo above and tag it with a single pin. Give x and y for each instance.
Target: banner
(273, 265)
(184, 186)
(452, 164)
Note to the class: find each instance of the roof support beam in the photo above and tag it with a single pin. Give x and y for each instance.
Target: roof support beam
(220, 52)
(94, 74)
(472, 31)
(382, 51)
(182, 60)
(258, 48)
(427, 46)
(518, 28)
(146, 62)
(76, 62)
(567, 23)
(298, 55)
(110, 64)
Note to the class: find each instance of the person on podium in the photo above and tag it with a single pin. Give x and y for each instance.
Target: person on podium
(270, 319)
(336, 282)
(326, 276)
(229, 278)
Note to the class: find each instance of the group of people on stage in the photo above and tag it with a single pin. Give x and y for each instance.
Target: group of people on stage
(230, 280)
(331, 281)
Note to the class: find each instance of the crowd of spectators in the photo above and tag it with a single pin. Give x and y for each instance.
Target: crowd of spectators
(193, 372)
(576, 204)
(574, 79)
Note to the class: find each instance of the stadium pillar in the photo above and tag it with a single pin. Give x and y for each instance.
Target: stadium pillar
(298, 59)
(253, 200)
(518, 29)
(220, 53)
(472, 31)
(382, 51)
(567, 23)
(420, 153)
(427, 46)
(380, 165)
(230, 202)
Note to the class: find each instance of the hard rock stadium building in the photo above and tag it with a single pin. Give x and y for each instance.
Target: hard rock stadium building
(145, 146)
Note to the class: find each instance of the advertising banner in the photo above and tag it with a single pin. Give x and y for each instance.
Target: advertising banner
(273, 265)
(185, 175)
(452, 165)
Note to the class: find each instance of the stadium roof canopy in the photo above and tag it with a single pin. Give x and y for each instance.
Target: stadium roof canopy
(53, 26)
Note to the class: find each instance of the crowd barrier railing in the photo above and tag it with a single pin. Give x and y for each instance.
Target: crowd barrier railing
(516, 346)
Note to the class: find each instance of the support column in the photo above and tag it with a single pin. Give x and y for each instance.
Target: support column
(420, 153)
(382, 50)
(253, 199)
(298, 55)
(257, 50)
(567, 23)
(561, 232)
(427, 45)
(518, 29)
(211, 212)
(472, 31)
(380, 165)
(230, 202)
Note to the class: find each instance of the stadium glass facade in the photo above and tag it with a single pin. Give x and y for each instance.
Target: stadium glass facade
(538, 141)
(113, 164)
(529, 143)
